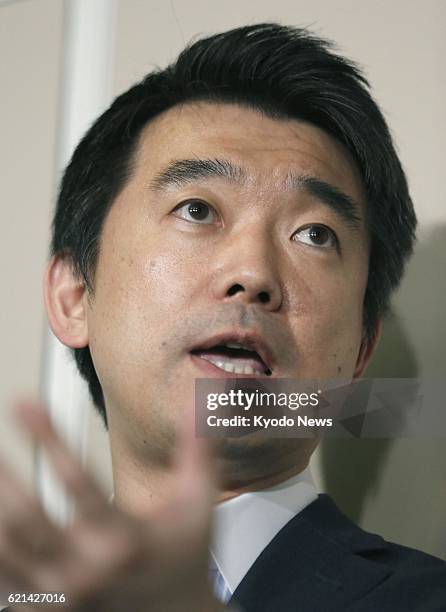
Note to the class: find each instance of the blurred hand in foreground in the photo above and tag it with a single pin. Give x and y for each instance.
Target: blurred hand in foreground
(108, 560)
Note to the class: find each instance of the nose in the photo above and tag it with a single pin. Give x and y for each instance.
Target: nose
(246, 272)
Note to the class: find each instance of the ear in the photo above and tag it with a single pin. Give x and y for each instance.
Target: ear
(66, 303)
(368, 346)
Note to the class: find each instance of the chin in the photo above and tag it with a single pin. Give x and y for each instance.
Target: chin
(244, 460)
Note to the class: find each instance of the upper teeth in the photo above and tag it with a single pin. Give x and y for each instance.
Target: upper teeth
(235, 345)
(228, 366)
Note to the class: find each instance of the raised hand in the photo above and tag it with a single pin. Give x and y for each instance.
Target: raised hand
(108, 560)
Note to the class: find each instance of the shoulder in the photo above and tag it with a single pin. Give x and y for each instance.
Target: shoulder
(415, 580)
(321, 560)
(324, 516)
(407, 559)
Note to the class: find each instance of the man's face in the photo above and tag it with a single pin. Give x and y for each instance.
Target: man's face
(221, 237)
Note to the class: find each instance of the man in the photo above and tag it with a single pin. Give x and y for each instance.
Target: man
(242, 213)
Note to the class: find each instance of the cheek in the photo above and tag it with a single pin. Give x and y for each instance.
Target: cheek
(139, 300)
(137, 307)
(127, 303)
(168, 276)
(328, 322)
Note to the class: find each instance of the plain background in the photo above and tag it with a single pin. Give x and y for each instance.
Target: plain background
(393, 487)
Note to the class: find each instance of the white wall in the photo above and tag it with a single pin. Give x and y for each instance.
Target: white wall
(30, 51)
(396, 487)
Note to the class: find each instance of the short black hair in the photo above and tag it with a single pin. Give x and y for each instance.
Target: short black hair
(281, 71)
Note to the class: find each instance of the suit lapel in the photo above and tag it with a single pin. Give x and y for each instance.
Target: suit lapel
(318, 561)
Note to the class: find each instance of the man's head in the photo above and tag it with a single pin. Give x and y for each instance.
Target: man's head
(251, 189)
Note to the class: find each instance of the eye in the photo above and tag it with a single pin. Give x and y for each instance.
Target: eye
(317, 236)
(196, 211)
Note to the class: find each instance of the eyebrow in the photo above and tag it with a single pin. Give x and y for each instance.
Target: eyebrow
(338, 201)
(187, 171)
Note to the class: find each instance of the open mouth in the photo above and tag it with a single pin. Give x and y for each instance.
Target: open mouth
(234, 358)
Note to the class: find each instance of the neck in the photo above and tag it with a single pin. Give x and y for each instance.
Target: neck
(140, 488)
(260, 484)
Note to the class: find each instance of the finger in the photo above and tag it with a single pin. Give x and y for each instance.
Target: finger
(22, 516)
(11, 581)
(90, 500)
(31, 546)
(23, 572)
(195, 471)
(21, 561)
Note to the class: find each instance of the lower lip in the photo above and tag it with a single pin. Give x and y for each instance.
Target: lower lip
(212, 371)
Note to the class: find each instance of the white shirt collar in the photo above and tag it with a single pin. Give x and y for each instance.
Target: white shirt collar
(245, 525)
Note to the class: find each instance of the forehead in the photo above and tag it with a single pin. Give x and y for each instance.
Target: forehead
(267, 149)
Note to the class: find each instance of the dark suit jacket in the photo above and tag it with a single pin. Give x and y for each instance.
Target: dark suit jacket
(322, 562)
